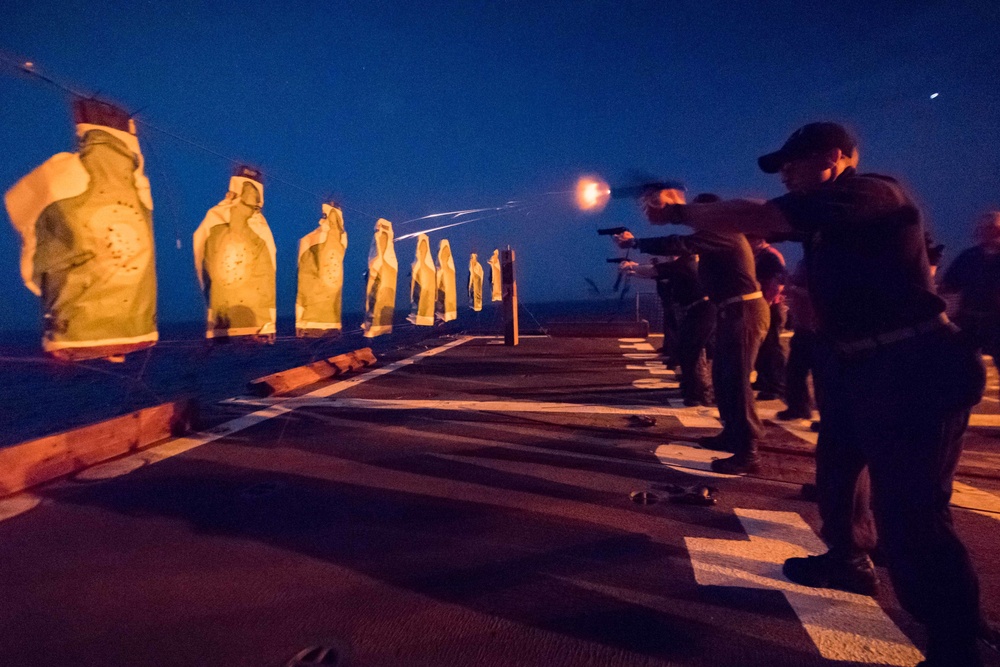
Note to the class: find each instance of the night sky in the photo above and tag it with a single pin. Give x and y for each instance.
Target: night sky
(402, 109)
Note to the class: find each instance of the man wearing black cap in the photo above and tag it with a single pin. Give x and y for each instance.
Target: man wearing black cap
(726, 269)
(899, 381)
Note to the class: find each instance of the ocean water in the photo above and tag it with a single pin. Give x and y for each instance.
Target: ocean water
(40, 396)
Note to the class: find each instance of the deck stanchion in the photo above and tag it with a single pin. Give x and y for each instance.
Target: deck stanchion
(509, 286)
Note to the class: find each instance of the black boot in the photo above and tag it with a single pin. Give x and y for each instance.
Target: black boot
(717, 443)
(789, 414)
(952, 650)
(738, 464)
(854, 574)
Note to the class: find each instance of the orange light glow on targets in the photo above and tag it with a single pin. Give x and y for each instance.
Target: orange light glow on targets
(592, 193)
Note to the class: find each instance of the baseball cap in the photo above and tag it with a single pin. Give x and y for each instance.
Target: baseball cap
(808, 140)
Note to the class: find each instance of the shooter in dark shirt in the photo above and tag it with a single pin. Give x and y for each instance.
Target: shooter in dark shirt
(726, 269)
(695, 317)
(975, 277)
(773, 356)
(898, 388)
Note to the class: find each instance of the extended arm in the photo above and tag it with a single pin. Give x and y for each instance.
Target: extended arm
(735, 215)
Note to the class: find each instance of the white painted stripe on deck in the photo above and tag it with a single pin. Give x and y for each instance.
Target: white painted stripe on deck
(652, 370)
(977, 500)
(686, 416)
(843, 626)
(17, 505)
(984, 420)
(800, 428)
(631, 340)
(275, 408)
(519, 336)
(638, 347)
(641, 355)
(690, 459)
(654, 383)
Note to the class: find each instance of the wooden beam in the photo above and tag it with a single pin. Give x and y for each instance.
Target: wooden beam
(283, 382)
(45, 459)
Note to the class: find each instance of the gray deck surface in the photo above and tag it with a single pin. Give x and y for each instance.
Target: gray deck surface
(442, 534)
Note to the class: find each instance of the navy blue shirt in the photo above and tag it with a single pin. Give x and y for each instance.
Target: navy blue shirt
(866, 259)
(725, 260)
(680, 281)
(975, 274)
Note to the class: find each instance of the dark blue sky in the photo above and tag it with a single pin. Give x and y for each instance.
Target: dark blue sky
(401, 109)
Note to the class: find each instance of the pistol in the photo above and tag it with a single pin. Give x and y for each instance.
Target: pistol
(612, 231)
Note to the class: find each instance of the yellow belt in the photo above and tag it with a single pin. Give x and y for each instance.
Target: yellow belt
(741, 297)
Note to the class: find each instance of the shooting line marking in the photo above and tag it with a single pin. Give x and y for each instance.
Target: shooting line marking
(976, 500)
(638, 347)
(984, 420)
(19, 504)
(690, 459)
(685, 416)
(843, 626)
(800, 428)
(652, 370)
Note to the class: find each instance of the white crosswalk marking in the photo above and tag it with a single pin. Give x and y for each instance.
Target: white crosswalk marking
(652, 370)
(19, 504)
(638, 347)
(980, 502)
(984, 420)
(689, 459)
(843, 626)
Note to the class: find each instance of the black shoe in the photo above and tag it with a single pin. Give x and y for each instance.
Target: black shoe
(952, 653)
(854, 575)
(698, 402)
(717, 443)
(738, 464)
(767, 396)
(789, 414)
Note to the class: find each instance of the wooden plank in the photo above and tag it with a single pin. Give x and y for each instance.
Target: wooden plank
(283, 382)
(38, 461)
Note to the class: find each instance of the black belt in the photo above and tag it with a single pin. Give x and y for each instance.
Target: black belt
(939, 323)
(691, 305)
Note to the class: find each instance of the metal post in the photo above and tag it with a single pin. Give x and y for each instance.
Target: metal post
(509, 286)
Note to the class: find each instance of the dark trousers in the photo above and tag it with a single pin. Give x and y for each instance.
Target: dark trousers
(670, 327)
(696, 325)
(773, 356)
(740, 329)
(901, 410)
(802, 354)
